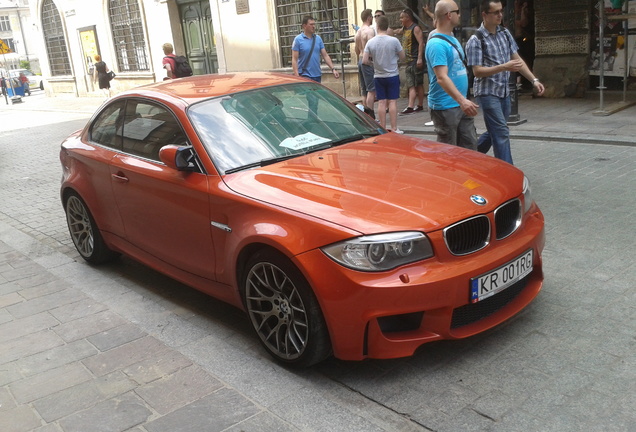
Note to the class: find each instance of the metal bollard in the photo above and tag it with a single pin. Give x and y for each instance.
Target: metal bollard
(514, 119)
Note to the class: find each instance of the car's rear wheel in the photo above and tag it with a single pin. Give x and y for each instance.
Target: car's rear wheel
(284, 311)
(84, 232)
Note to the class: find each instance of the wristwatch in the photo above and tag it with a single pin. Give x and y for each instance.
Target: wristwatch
(535, 80)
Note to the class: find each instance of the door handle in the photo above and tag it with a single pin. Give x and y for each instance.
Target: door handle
(120, 177)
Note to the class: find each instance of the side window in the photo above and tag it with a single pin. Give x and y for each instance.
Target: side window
(106, 129)
(148, 127)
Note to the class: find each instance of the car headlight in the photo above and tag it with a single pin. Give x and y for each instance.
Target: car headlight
(527, 195)
(380, 252)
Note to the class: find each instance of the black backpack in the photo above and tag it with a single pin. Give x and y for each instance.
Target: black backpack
(181, 67)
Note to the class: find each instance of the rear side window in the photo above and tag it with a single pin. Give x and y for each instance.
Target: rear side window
(106, 129)
(148, 127)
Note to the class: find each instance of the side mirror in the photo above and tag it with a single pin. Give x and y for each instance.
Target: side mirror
(180, 158)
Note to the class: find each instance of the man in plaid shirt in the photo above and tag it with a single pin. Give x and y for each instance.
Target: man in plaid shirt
(492, 54)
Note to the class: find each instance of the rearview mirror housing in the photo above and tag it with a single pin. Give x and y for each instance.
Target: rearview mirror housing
(177, 157)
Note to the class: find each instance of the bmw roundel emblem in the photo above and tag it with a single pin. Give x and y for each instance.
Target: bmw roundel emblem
(478, 199)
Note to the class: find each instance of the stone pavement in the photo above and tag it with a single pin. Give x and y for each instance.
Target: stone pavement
(122, 348)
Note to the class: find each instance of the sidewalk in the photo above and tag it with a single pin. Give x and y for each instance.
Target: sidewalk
(38, 101)
(567, 119)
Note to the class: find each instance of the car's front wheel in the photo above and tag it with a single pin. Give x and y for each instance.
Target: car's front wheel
(84, 232)
(284, 311)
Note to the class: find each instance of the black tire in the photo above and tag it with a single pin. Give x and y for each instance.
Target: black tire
(284, 311)
(85, 233)
(41, 85)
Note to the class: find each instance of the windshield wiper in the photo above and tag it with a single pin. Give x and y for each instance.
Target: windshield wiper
(262, 163)
(354, 138)
(275, 159)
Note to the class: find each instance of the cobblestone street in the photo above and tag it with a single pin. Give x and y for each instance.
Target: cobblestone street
(120, 347)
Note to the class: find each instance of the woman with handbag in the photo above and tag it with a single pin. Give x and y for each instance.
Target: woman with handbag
(102, 74)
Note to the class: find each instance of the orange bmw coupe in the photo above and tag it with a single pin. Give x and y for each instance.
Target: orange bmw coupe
(276, 195)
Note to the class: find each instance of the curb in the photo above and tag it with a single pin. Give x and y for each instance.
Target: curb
(553, 137)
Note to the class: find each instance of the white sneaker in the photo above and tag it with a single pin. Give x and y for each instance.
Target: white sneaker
(429, 123)
(397, 131)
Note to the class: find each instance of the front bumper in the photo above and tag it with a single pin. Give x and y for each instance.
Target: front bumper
(391, 314)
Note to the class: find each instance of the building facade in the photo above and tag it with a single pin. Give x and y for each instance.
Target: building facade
(227, 36)
(216, 36)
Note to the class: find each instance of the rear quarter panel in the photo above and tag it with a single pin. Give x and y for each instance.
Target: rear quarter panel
(86, 171)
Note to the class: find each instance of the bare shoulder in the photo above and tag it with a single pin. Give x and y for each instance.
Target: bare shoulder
(367, 33)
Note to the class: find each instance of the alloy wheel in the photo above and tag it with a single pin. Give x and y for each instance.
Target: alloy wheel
(277, 311)
(80, 226)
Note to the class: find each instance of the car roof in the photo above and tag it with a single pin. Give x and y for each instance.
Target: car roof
(200, 87)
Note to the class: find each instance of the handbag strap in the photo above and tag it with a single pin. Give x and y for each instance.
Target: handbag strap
(311, 50)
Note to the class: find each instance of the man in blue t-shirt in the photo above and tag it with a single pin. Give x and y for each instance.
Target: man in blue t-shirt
(307, 49)
(452, 113)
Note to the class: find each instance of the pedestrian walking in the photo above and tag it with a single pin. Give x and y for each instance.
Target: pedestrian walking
(386, 52)
(492, 54)
(175, 66)
(102, 75)
(24, 81)
(365, 71)
(451, 111)
(307, 49)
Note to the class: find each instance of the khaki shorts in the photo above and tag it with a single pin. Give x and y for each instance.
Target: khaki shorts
(414, 76)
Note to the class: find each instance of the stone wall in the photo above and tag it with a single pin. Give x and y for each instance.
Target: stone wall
(562, 46)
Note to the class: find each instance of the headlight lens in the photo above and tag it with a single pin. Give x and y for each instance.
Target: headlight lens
(380, 252)
(527, 195)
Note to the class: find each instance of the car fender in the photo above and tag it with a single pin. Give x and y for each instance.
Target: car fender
(285, 231)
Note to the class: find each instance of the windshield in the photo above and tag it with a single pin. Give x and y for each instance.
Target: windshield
(257, 127)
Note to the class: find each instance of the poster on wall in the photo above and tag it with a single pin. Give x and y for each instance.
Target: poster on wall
(615, 41)
(90, 47)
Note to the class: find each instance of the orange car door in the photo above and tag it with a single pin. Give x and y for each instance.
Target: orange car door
(165, 212)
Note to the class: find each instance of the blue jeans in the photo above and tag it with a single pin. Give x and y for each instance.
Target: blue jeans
(312, 99)
(496, 111)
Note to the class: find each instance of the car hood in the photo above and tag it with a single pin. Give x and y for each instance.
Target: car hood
(386, 183)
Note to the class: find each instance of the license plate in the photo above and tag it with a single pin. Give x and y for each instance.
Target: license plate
(491, 283)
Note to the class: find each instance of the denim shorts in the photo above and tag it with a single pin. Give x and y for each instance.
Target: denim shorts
(365, 75)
